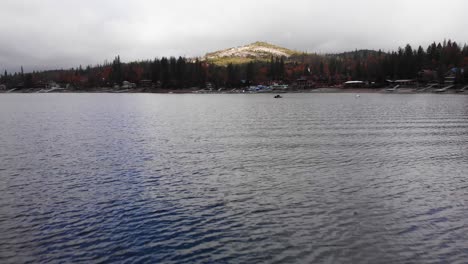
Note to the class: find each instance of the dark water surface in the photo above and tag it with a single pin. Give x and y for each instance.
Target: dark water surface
(310, 178)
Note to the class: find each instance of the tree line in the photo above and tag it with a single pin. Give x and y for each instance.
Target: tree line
(430, 64)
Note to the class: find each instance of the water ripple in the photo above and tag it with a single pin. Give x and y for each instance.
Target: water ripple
(233, 179)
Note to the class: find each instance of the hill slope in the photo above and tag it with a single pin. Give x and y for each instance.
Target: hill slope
(260, 51)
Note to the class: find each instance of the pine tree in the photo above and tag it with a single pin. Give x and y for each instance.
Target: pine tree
(409, 62)
(277, 69)
(156, 71)
(4, 78)
(282, 69)
(180, 70)
(231, 75)
(358, 71)
(202, 75)
(165, 74)
(116, 75)
(465, 51)
(132, 75)
(173, 70)
(28, 80)
(272, 73)
(250, 72)
(420, 59)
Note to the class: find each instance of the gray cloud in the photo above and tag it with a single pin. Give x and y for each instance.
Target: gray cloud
(48, 34)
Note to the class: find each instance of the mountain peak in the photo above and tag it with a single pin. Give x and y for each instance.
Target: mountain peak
(255, 51)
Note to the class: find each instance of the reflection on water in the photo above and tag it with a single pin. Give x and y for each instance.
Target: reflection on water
(233, 178)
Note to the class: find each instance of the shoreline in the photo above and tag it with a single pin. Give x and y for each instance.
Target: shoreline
(235, 91)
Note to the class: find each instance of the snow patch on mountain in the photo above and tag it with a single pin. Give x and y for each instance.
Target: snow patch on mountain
(254, 50)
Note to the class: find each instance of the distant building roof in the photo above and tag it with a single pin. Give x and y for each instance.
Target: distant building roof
(400, 81)
(353, 82)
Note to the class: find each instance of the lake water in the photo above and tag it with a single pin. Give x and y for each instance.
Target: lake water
(309, 178)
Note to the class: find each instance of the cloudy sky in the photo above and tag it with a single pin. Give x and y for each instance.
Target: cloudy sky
(49, 34)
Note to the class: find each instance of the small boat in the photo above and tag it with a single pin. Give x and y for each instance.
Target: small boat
(278, 96)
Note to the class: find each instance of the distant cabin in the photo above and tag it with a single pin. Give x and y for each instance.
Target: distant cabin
(2, 87)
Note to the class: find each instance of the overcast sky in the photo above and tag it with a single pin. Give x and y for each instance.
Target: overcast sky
(49, 34)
